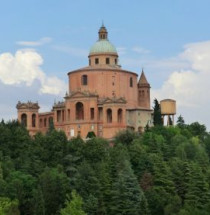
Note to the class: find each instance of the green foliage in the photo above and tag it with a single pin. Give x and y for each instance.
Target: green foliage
(54, 187)
(164, 171)
(126, 194)
(125, 137)
(157, 119)
(20, 186)
(180, 122)
(91, 134)
(8, 207)
(73, 206)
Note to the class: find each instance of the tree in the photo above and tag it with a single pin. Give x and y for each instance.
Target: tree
(39, 208)
(51, 125)
(8, 207)
(73, 206)
(198, 130)
(180, 122)
(91, 134)
(20, 186)
(197, 195)
(125, 137)
(127, 196)
(54, 185)
(157, 119)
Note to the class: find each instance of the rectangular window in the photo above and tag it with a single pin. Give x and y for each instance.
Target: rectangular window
(96, 61)
(91, 113)
(131, 82)
(84, 80)
(107, 60)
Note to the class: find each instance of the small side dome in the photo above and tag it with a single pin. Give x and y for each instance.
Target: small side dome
(103, 45)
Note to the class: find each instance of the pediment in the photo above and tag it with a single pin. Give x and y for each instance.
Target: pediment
(81, 94)
(113, 100)
(77, 94)
(121, 100)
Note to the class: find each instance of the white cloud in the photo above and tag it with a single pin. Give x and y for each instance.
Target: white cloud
(140, 50)
(54, 86)
(24, 68)
(190, 87)
(40, 42)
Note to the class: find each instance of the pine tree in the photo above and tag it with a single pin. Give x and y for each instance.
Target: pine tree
(127, 197)
(198, 189)
(180, 122)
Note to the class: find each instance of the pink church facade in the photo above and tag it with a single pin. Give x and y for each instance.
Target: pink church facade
(103, 98)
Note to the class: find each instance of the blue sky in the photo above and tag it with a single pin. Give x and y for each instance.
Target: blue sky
(43, 40)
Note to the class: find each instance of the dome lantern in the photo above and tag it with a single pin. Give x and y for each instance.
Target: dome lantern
(102, 34)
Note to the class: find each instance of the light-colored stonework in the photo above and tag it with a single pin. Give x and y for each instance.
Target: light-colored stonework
(103, 98)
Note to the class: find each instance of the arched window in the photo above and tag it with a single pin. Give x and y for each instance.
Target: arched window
(119, 115)
(109, 115)
(84, 80)
(131, 82)
(24, 119)
(33, 120)
(79, 111)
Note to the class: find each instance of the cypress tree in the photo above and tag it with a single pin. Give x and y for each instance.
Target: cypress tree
(157, 119)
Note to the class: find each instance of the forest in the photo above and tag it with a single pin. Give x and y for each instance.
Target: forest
(164, 171)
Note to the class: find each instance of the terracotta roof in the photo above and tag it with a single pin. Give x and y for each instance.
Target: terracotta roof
(143, 80)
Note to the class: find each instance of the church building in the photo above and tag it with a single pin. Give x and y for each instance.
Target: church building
(102, 98)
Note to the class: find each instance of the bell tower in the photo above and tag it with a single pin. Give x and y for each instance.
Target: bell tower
(143, 92)
(28, 116)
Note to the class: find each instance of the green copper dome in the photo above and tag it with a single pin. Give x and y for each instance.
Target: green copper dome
(103, 46)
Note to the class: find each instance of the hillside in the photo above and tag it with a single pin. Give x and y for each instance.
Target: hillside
(163, 171)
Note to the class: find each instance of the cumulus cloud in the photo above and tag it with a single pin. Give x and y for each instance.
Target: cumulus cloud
(40, 42)
(190, 86)
(24, 68)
